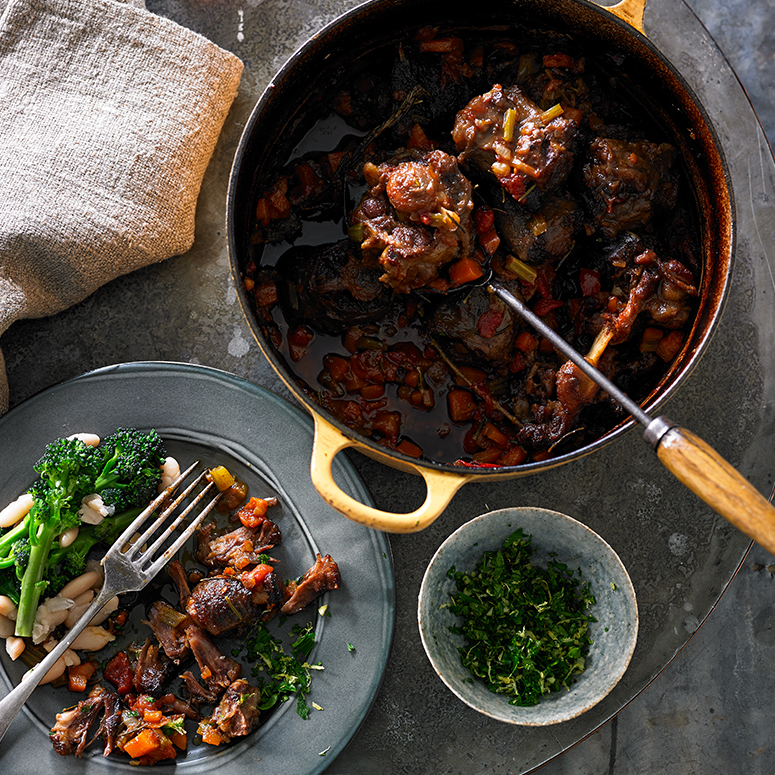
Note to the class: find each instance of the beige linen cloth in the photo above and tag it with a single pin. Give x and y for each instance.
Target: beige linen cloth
(108, 117)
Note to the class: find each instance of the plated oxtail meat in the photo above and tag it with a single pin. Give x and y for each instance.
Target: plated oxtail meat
(519, 155)
(160, 682)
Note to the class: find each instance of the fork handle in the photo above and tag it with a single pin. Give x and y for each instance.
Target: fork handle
(13, 702)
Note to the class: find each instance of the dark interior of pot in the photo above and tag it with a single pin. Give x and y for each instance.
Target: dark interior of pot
(282, 117)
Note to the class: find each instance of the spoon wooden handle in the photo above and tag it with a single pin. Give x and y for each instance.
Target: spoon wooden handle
(709, 476)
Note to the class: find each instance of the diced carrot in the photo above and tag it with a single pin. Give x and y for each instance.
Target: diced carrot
(668, 347)
(210, 734)
(76, 683)
(337, 367)
(472, 375)
(179, 739)
(495, 434)
(650, 339)
(372, 392)
(152, 716)
(388, 424)
(254, 577)
(409, 448)
(543, 455)
(252, 514)
(526, 342)
(79, 675)
(465, 270)
(266, 295)
(513, 456)
(489, 455)
(148, 740)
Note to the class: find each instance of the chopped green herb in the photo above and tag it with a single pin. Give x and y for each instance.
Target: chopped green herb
(350, 647)
(613, 586)
(281, 674)
(525, 627)
(324, 752)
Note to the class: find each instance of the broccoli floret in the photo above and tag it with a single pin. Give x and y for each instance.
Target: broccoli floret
(131, 469)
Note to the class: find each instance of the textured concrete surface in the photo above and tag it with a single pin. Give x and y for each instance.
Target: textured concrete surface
(709, 710)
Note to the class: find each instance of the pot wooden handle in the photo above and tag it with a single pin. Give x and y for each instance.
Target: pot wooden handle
(441, 487)
(630, 11)
(709, 476)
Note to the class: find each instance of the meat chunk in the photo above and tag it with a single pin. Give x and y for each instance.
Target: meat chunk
(237, 713)
(627, 182)
(415, 218)
(168, 626)
(153, 669)
(72, 726)
(238, 548)
(333, 288)
(320, 578)
(503, 133)
(217, 670)
(221, 603)
(484, 325)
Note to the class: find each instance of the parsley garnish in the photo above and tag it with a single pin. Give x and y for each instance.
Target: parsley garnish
(525, 627)
(281, 674)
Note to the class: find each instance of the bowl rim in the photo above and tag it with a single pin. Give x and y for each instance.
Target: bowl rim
(513, 513)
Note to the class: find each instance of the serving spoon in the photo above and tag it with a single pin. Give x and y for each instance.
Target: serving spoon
(690, 459)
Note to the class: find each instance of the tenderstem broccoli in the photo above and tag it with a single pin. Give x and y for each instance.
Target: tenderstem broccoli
(125, 470)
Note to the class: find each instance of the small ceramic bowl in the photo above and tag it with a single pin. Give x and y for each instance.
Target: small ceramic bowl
(614, 633)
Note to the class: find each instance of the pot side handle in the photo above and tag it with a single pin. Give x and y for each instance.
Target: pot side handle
(630, 11)
(441, 487)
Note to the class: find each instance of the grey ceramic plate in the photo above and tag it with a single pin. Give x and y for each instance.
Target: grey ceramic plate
(558, 536)
(266, 442)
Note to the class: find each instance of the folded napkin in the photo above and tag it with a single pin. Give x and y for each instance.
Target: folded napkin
(108, 117)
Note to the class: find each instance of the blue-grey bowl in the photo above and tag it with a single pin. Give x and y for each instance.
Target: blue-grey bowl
(614, 633)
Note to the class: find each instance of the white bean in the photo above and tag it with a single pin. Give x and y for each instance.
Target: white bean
(16, 510)
(170, 471)
(80, 604)
(89, 439)
(92, 639)
(80, 584)
(7, 608)
(68, 536)
(6, 627)
(59, 667)
(106, 611)
(14, 646)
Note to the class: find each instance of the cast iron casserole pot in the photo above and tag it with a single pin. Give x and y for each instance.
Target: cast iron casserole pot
(281, 117)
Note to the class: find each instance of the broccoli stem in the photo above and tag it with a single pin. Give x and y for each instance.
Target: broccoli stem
(32, 582)
(20, 529)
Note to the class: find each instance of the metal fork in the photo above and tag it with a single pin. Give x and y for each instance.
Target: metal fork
(129, 565)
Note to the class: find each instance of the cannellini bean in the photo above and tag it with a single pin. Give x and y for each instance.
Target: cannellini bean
(14, 646)
(58, 668)
(7, 608)
(68, 536)
(50, 614)
(107, 610)
(80, 604)
(80, 584)
(170, 471)
(92, 639)
(90, 439)
(93, 509)
(6, 627)
(16, 510)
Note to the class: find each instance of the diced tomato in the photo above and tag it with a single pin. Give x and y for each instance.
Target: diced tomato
(266, 295)
(526, 342)
(573, 114)
(490, 241)
(409, 448)
(418, 139)
(254, 577)
(668, 347)
(465, 270)
(119, 672)
(542, 284)
(546, 346)
(589, 280)
(488, 323)
(461, 405)
(484, 218)
(253, 513)
(518, 363)
(545, 306)
(515, 184)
